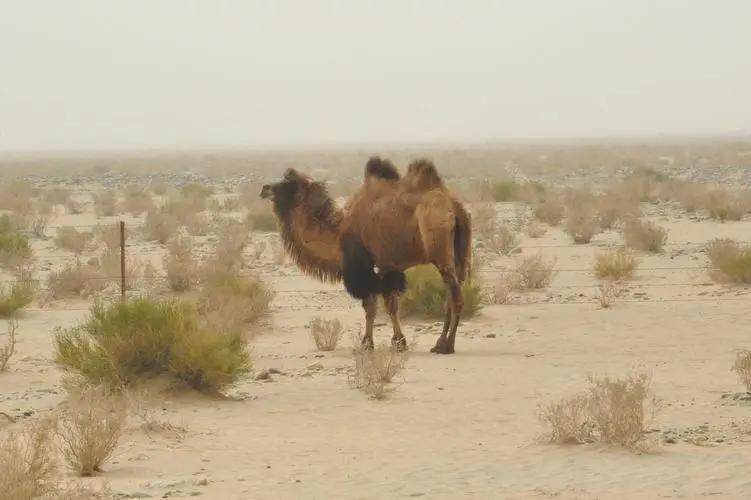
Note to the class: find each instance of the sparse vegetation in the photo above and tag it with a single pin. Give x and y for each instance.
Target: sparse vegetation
(90, 429)
(730, 262)
(608, 292)
(70, 239)
(234, 300)
(14, 250)
(27, 462)
(582, 224)
(57, 196)
(742, 367)
(159, 226)
(179, 265)
(535, 230)
(532, 272)
(326, 333)
(725, 206)
(8, 349)
(375, 369)
(506, 190)
(549, 209)
(76, 280)
(426, 294)
(137, 200)
(261, 218)
(15, 296)
(613, 411)
(613, 208)
(645, 236)
(105, 203)
(503, 241)
(121, 342)
(616, 265)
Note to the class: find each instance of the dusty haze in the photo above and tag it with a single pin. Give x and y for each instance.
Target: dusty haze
(179, 74)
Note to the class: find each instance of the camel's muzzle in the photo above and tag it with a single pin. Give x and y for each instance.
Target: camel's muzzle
(266, 192)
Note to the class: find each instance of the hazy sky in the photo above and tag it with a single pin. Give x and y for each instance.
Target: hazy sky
(99, 74)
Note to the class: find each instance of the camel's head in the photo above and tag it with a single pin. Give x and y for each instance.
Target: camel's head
(295, 189)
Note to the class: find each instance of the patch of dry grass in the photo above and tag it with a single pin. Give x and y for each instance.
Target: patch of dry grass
(159, 226)
(27, 462)
(730, 262)
(180, 265)
(76, 280)
(533, 272)
(613, 411)
(725, 206)
(614, 207)
(70, 239)
(503, 241)
(550, 209)
(645, 236)
(233, 300)
(742, 367)
(9, 348)
(375, 369)
(137, 200)
(616, 265)
(608, 292)
(105, 203)
(16, 295)
(90, 428)
(326, 333)
(582, 224)
(15, 250)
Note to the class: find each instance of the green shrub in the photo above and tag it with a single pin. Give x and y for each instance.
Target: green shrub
(729, 261)
(14, 296)
(10, 223)
(426, 294)
(616, 265)
(506, 190)
(14, 249)
(262, 218)
(121, 342)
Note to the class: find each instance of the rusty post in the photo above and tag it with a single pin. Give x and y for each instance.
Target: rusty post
(122, 260)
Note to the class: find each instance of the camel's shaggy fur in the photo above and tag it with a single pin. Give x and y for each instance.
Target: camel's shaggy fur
(389, 225)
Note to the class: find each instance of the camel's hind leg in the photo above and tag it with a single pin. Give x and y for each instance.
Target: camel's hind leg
(370, 304)
(454, 307)
(398, 340)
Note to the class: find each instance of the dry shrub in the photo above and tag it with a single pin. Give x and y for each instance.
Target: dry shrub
(326, 333)
(582, 224)
(90, 428)
(38, 224)
(159, 226)
(234, 300)
(249, 193)
(9, 348)
(196, 190)
(742, 367)
(729, 261)
(608, 292)
(27, 462)
(179, 265)
(689, 195)
(230, 204)
(549, 209)
(645, 184)
(110, 235)
(11, 223)
(375, 369)
(228, 253)
(532, 273)
(725, 206)
(124, 341)
(616, 265)
(70, 239)
(645, 236)
(15, 250)
(183, 209)
(74, 207)
(613, 411)
(16, 196)
(15, 296)
(535, 230)
(425, 294)
(614, 207)
(105, 203)
(198, 225)
(503, 241)
(57, 196)
(261, 218)
(76, 280)
(111, 267)
(159, 188)
(484, 219)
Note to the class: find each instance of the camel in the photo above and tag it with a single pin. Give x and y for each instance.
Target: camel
(389, 225)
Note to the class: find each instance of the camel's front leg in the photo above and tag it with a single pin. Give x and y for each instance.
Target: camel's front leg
(370, 304)
(398, 340)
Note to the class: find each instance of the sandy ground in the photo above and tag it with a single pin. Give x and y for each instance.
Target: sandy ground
(460, 426)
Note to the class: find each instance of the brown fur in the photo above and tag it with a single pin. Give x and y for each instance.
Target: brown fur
(391, 224)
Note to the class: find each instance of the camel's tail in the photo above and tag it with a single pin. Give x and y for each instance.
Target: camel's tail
(462, 243)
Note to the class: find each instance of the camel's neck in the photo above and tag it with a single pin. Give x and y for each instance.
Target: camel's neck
(312, 240)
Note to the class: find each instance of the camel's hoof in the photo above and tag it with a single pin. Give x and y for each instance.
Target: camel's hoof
(399, 345)
(442, 349)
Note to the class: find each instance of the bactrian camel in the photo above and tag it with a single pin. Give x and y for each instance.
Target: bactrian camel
(389, 225)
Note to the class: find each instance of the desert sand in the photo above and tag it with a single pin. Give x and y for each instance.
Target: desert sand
(458, 426)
